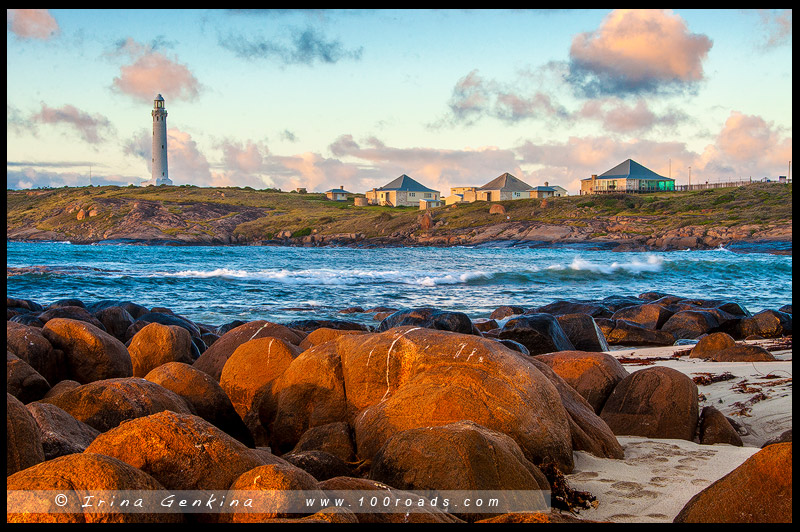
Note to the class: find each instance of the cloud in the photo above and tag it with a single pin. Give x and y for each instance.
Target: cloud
(32, 23)
(153, 72)
(306, 47)
(747, 145)
(638, 51)
(474, 97)
(618, 116)
(777, 26)
(92, 128)
(31, 177)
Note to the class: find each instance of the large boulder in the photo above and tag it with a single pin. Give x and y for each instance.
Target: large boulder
(742, 353)
(28, 343)
(411, 377)
(539, 333)
(23, 437)
(558, 308)
(457, 456)
(319, 464)
(654, 402)
(61, 433)
(313, 325)
(593, 375)
(105, 404)
(758, 491)
(715, 428)
(156, 344)
(134, 309)
(214, 358)
(280, 484)
(22, 381)
(181, 451)
(505, 311)
(72, 313)
(708, 345)
(116, 321)
(73, 476)
(649, 315)
(767, 324)
(623, 332)
(691, 324)
(583, 332)
(205, 396)
(164, 319)
(430, 318)
(89, 353)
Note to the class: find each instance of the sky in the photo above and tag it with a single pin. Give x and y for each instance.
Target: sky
(324, 99)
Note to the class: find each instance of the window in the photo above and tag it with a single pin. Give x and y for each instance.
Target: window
(413, 194)
(427, 195)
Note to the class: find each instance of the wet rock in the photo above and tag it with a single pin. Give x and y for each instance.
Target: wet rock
(116, 321)
(73, 313)
(430, 318)
(690, 324)
(767, 324)
(312, 325)
(623, 332)
(539, 333)
(583, 332)
(505, 311)
(650, 316)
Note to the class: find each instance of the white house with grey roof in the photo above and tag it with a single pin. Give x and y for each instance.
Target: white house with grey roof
(627, 177)
(402, 192)
(501, 188)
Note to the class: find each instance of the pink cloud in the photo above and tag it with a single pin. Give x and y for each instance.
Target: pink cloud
(90, 127)
(31, 23)
(152, 73)
(640, 50)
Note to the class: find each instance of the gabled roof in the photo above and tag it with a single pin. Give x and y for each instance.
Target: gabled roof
(506, 182)
(405, 183)
(630, 169)
(339, 190)
(543, 189)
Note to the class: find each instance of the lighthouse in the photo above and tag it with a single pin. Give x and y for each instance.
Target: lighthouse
(160, 171)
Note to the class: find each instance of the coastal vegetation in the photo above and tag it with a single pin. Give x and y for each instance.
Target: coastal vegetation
(245, 215)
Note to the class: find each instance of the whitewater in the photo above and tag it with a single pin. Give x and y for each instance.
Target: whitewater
(220, 284)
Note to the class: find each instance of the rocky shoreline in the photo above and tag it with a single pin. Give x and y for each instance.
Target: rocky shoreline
(112, 395)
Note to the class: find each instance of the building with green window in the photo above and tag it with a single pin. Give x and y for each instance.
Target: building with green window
(628, 177)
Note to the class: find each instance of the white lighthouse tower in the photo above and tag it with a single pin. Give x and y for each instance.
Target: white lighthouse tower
(160, 171)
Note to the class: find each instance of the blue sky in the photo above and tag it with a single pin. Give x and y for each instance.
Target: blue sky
(325, 98)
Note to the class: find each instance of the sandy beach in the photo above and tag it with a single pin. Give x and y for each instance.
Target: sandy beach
(659, 476)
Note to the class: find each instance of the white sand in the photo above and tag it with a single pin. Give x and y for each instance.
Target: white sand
(657, 477)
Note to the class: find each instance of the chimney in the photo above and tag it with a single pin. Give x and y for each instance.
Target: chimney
(341, 187)
(545, 183)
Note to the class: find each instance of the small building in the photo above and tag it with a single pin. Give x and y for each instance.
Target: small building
(501, 188)
(452, 199)
(360, 202)
(402, 192)
(542, 192)
(425, 204)
(337, 194)
(627, 177)
(557, 190)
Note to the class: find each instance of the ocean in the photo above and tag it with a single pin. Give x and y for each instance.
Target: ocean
(218, 284)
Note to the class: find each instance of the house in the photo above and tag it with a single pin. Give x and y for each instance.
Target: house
(548, 191)
(504, 187)
(425, 204)
(337, 194)
(402, 192)
(627, 177)
(542, 192)
(454, 198)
